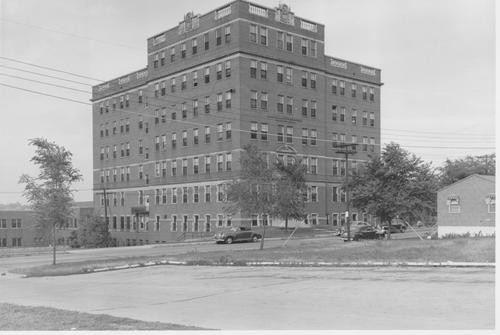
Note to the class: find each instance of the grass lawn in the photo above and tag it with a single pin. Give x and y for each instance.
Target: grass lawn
(319, 250)
(16, 317)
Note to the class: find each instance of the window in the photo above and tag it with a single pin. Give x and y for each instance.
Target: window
(354, 87)
(164, 169)
(281, 131)
(304, 79)
(173, 227)
(264, 129)
(253, 69)
(305, 134)
(253, 99)
(314, 165)
(289, 105)
(453, 203)
(228, 130)
(194, 46)
(263, 35)
(253, 130)
(157, 169)
(220, 192)
(206, 41)
(195, 136)
(372, 144)
(173, 168)
(207, 134)
(228, 99)
(314, 48)
(141, 171)
(364, 90)
(335, 194)
(227, 34)
(372, 94)
(342, 87)
(184, 138)
(334, 86)
(372, 119)
(220, 220)
(196, 194)
(184, 223)
(229, 160)
(196, 164)
(207, 164)
(219, 102)
(289, 42)
(183, 50)
(365, 119)
(172, 54)
(207, 75)
(218, 37)
(314, 136)
(253, 33)
(303, 45)
(279, 73)
(207, 223)
(174, 140)
(314, 107)
(228, 69)
(354, 117)
(263, 101)
(280, 38)
(365, 143)
(313, 80)
(207, 193)
(289, 134)
(305, 105)
(184, 195)
(184, 166)
(314, 219)
(172, 85)
(342, 114)
(314, 193)
(354, 139)
(490, 201)
(174, 195)
(184, 82)
(220, 132)
(289, 76)
(207, 104)
(195, 78)
(218, 73)
(281, 102)
(255, 220)
(163, 88)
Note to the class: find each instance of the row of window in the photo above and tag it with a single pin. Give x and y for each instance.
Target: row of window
(16, 242)
(160, 142)
(14, 223)
(181, 50)
(223, 163)
(308, 136)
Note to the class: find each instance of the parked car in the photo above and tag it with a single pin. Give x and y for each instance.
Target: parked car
(363, 232)
(237, 234)
(395, 228)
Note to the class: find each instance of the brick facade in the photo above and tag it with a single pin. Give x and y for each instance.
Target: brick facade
(254, 80)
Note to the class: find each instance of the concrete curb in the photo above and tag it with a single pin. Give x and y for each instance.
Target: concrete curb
(300, 264)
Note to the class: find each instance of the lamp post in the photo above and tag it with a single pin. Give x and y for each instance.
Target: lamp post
(347, 149)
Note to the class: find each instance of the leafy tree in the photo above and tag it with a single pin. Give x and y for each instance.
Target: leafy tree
(290, 186)
(93, 233)
(394, 184)
(252, 192)
(454, 170)
(49, 193)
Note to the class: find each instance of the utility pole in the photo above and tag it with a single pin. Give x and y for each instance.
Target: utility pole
(347, 149)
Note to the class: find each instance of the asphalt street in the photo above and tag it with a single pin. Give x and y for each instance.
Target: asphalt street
(257, 298)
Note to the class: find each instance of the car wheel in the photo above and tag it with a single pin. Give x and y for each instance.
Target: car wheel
(229, 240)
(255, 238)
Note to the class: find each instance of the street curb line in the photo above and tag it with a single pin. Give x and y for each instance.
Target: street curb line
(298, 264)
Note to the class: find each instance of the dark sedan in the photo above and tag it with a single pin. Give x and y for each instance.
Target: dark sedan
(363, 232)
(237, 234)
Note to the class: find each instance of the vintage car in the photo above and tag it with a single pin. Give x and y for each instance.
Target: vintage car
(359, 232)
(237, 234)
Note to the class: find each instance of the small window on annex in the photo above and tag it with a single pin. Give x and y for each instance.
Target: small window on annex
(453, 203)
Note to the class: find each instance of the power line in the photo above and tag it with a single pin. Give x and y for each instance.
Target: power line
(50, 68)
(49, 95)
(45, 83)
(71, 34)
(43, 75)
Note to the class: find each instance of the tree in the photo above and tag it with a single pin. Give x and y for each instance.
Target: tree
(290, 186)
(394, 184)
(454, 170)
(252, 192)
(92, 233)
(49, 193)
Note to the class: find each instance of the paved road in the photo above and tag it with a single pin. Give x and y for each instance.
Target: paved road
(273, 298)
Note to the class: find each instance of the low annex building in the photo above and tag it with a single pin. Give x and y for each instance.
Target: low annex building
(467, 206)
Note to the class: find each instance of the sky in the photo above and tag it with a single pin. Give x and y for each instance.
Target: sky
(437, 59)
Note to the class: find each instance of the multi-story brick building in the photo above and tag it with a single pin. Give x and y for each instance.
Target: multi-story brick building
(18, 228)
(169, 136)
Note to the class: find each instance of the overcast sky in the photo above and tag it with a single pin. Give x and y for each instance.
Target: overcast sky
(437, 59)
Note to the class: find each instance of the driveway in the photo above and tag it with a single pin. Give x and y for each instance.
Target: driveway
(256, 298)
